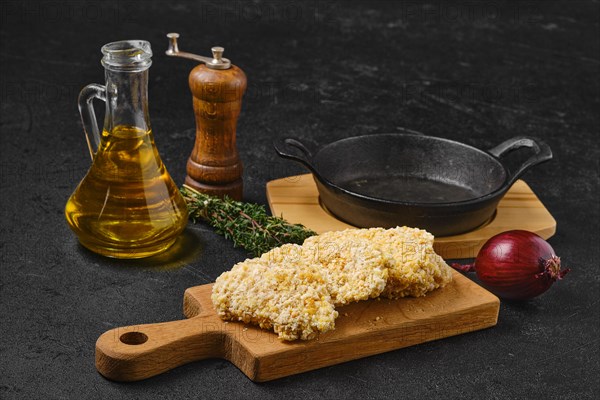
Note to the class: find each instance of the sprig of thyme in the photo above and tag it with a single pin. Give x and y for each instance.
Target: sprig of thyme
(247, 224)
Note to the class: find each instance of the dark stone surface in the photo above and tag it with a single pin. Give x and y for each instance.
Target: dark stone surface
(479, 72)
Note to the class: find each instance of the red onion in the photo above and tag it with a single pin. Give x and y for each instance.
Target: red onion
(516, 265)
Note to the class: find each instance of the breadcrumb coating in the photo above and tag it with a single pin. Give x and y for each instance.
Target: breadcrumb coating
(294, 289)
(293, 301)
(414, 267)
(354, 270)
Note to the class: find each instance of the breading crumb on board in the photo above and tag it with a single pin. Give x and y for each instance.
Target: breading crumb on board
(294, 289)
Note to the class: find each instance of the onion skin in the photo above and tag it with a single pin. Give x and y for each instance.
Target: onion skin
(516, 265)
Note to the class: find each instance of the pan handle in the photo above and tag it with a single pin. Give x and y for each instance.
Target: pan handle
(542, 153)
(287, 148)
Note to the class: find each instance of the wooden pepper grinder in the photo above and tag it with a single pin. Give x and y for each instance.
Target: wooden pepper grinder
(217, 86)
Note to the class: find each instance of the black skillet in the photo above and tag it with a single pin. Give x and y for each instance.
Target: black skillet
(392, 179)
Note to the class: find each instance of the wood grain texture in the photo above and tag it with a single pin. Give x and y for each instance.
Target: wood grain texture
(362, 329)
(296, 199)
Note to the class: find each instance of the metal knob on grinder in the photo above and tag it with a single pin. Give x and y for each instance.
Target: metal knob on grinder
(217, 87)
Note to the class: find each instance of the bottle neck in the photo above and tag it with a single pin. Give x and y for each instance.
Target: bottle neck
(126, 100)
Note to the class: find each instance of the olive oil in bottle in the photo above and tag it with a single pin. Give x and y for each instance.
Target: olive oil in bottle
(127, 205)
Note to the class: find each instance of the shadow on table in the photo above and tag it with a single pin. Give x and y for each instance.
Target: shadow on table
(187, 248)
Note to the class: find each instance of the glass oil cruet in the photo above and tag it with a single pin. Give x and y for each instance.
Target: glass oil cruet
(127, 205)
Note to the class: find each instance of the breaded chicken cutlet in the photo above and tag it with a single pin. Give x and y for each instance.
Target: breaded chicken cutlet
(353, 271)
(294, 289)
(291, 300)
(414, 267)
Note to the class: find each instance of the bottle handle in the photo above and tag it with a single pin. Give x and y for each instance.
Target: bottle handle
(88, 116)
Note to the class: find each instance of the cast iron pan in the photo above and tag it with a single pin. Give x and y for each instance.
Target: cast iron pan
(392, 179)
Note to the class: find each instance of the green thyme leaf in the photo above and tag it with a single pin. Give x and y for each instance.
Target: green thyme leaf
(248, 225)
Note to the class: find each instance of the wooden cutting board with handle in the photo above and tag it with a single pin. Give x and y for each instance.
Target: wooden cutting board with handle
(362, 329)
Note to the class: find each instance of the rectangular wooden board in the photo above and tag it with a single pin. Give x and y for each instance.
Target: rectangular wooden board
(296, 199)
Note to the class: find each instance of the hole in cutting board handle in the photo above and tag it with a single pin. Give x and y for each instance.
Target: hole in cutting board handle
(134, 338)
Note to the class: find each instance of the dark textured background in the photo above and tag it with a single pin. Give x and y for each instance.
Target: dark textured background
(478, 72)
